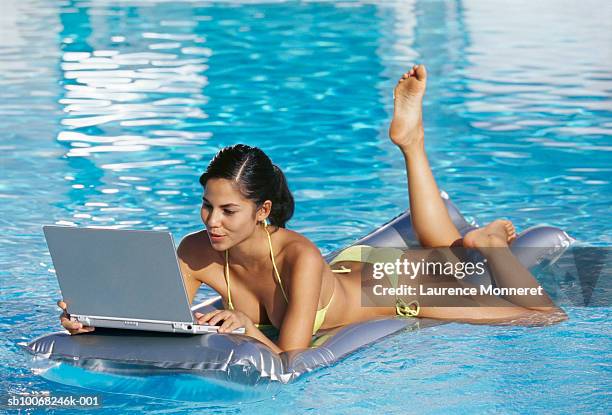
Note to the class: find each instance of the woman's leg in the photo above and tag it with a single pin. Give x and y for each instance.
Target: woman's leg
(430, 219)
(507, 272)
(505, 268)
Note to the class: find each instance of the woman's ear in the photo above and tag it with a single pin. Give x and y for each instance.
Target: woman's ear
(264, 211)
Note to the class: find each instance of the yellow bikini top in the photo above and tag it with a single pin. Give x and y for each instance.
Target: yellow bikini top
(319, 317)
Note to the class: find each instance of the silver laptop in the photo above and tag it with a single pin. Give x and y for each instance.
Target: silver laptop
(122, 279)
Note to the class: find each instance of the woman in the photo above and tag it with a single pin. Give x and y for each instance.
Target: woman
(268, 274)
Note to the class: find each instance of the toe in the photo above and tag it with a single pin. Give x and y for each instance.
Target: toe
(421, 72)
(510, 231)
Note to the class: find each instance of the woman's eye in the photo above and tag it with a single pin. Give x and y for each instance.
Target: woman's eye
(208, 206)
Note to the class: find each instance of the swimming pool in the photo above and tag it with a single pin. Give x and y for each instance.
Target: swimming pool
(110, 111)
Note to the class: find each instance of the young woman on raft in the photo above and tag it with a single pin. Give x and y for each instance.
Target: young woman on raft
(268, 274)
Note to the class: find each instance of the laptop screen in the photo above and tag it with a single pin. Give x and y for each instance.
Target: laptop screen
(118, 273)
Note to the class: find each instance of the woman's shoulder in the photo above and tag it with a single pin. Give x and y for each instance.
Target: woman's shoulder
(196, 249)
(295, 244)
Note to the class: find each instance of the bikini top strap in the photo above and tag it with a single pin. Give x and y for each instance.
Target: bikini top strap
(227, 281)
(278, 278)
(276, 273)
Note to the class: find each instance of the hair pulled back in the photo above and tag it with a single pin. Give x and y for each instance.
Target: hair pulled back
(257, 178)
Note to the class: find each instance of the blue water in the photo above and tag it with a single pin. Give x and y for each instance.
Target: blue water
(109, 111)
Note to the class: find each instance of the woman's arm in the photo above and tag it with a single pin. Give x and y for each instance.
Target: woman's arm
(192, 284)
(195, 262)
(298, 321)
(232, 320)
(304, 293)
(254, 332)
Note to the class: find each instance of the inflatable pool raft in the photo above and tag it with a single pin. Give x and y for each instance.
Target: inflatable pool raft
(239, 359)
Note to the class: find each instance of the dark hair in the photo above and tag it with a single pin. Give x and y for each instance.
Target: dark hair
(258, 179)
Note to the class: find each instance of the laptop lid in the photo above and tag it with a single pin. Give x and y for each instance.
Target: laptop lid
(118, 273)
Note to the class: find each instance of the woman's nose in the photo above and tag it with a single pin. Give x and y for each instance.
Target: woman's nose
(214, 218)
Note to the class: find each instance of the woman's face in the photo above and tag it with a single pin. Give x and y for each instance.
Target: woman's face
(229, 217)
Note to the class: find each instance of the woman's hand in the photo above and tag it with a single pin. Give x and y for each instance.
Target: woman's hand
(232, 320)
(73, 327)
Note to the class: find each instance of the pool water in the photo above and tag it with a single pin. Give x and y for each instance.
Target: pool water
(110, 110)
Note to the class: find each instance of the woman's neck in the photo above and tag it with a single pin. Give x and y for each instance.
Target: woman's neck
(253, 251)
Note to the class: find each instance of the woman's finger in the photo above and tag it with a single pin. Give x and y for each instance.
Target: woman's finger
(235, 326)
(223, 315)
(199, 318)
(84, 329)
(70, 325)
(218, 317)
(228, 326)
(205, 317)
(74, 327)
(64, 319)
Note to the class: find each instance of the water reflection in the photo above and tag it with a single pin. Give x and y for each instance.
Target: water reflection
(164, 95)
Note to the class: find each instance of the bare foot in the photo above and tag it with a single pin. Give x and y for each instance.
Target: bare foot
(407, 124)
(499, 233)
(511, 231)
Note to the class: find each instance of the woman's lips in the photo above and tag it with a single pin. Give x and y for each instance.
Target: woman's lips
(216, 238)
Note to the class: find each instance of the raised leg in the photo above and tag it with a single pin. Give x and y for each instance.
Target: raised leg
(430, 219)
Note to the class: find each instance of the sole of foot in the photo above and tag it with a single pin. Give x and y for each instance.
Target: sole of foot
(499, 233)
(407, 124)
